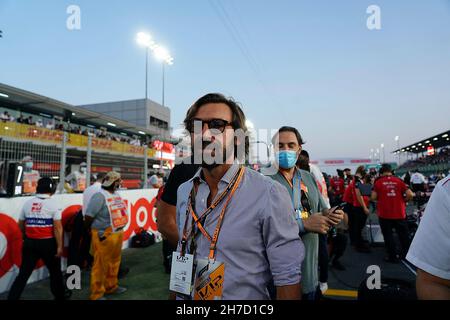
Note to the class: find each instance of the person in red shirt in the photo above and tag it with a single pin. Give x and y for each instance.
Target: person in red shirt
(337, 188)
(392, 193)
(348, 209)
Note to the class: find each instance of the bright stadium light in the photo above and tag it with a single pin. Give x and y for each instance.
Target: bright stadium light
(435, 139)
(111, 124)
(445, 135)
(141, 132)
(428, 141)
(163, 55)
(144, 39)
(397, 139)
(4, 95)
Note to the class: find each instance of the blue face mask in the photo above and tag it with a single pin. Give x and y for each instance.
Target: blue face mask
(287, 158)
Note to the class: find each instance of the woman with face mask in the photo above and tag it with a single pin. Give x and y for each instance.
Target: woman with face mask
(77, 179)
(106, 216)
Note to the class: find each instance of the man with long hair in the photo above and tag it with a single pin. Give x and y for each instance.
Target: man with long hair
(236, 224)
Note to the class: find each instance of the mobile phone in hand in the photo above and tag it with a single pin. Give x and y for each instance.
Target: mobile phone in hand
(338, 207)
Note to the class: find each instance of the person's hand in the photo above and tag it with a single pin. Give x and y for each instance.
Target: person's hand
(366, 211)
(59, 252)
(317, 223)
(336, 217)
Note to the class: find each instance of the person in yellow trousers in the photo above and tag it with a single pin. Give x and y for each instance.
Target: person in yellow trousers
(106, 216)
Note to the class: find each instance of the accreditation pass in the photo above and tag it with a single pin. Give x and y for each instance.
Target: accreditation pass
(181, 274)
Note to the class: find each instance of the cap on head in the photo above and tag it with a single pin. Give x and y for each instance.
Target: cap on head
(110, 178)
(27, 159)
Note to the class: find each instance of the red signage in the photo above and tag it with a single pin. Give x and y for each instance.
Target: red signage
(102, 144)
(430, 151)
(360, 161)
(167, 147)
(43, 134)
(162, 146)
(334, 161)
(100, 169)
(158, 145)
(42, 166)
(135, 170)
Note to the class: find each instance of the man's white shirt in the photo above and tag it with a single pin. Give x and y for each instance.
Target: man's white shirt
(417, 178)
(89, 192)
(430, 249)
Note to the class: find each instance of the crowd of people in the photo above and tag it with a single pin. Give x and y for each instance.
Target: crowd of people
(236, 234)
(95, 243)
(441, 157)
(312, 212)
(54, 124)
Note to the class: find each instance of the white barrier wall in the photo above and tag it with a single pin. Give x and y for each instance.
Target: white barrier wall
(141, 210)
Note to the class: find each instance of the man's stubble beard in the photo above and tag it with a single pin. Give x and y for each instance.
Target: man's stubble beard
(211, 166)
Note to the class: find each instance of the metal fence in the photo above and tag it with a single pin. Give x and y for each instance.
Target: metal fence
(38, 160)
(56, 154)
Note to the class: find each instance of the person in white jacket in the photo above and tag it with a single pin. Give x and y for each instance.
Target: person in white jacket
(430, 249)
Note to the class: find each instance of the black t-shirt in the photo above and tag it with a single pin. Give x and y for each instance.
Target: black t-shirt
(364, 188)
(179, 175)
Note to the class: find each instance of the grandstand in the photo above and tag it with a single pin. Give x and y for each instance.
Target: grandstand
(35, 125)
(430, 156)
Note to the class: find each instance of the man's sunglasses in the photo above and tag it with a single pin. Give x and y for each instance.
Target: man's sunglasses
(217, 124)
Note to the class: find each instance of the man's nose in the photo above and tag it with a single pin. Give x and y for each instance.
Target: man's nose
(207, 135)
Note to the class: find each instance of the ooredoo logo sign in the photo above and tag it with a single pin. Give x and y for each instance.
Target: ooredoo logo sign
(142, 215)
